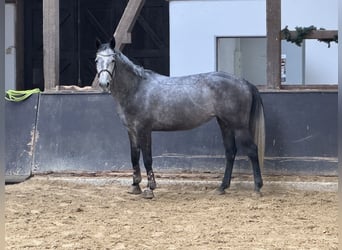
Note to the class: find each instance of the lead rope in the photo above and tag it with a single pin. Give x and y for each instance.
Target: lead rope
(20, 95)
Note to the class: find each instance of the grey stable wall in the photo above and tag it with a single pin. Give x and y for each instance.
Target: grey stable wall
(301, 132)
(20, 127)
(81, 132)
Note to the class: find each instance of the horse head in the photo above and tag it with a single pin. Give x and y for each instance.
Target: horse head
(105, 63)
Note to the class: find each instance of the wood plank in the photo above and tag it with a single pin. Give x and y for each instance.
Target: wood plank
(273, 19)
(316, 34)
(51, 43)
(300, 88)
(310, 87)
(123, 30)
(19, 45)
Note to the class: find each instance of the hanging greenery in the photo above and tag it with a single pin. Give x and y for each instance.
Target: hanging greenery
(301, 33)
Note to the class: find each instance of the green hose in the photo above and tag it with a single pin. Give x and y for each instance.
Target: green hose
(20, 95)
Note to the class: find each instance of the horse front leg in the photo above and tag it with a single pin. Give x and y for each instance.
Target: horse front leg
(135, 157)
(146, 145)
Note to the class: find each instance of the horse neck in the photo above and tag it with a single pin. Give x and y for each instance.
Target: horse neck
(127, 77)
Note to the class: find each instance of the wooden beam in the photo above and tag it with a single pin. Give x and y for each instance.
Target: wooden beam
(316, 34)
(123, 30)
(51, 43)
(273, 19)
(19, 45)
(321, 87)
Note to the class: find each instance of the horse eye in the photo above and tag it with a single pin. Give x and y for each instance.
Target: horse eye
(96, 60)
(113, 61)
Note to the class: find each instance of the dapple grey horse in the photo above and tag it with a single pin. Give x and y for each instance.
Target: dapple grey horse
(147, 101)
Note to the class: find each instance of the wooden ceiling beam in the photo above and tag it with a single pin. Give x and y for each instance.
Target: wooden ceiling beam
(123, 31)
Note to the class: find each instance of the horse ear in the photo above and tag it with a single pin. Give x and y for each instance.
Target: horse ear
(98, 43)
(112, 43)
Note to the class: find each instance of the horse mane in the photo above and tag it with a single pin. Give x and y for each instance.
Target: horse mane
(128, 64)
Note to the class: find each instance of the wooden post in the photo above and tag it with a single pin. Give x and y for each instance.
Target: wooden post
(51, 43)
(273, 13)
(19, 45)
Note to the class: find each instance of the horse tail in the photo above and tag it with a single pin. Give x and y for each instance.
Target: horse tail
(257, 124)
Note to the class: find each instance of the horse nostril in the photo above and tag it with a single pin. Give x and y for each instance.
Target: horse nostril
(104, 85)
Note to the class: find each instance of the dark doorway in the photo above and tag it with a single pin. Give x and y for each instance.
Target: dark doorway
(81, 22)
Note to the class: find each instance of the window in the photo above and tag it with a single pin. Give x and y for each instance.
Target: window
(311, 64)
(244, 57)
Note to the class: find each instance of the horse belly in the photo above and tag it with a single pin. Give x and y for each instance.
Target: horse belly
(181, 117)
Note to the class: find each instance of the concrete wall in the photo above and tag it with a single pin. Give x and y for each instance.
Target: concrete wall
(82, 132)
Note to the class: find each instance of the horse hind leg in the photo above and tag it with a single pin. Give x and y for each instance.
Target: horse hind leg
(252, 152)
(230, 152)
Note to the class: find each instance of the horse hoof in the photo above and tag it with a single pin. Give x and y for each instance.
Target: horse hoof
(257, 194)
(135, 189)
(220, 191)
(148, 194)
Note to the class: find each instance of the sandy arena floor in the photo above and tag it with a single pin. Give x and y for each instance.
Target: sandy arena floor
(48, 213)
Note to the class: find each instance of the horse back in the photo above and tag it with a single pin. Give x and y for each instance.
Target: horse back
(179, 103)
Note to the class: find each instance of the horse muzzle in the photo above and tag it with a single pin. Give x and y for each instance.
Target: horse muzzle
(104, 86)
(105, 79)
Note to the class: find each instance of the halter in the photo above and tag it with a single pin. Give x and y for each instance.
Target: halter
(106, 70)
